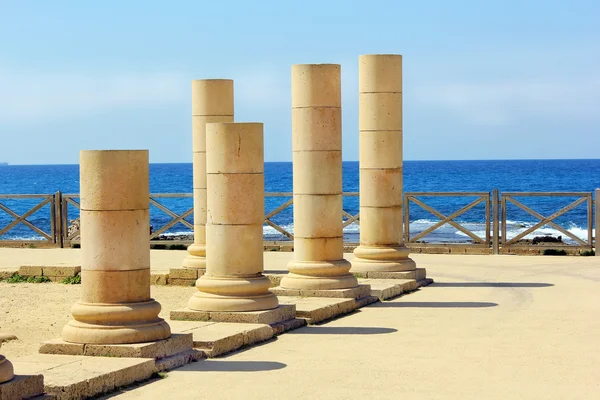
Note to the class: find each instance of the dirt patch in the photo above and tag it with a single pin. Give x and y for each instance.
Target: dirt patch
(35, 312)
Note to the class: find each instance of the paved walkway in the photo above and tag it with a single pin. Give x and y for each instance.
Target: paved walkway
(491, 327)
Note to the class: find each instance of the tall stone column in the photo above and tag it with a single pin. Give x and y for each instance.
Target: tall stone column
(212, 101)
(234, 279)
(318, 262)
(6, 369)
(380, 131)
(115, 305)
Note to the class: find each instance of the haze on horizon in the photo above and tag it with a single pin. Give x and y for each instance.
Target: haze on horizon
(482, 80)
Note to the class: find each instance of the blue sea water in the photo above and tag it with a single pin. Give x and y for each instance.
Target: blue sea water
(419, 176)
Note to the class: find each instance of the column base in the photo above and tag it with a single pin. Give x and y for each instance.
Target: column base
(318, 275)
(123, 323)
(382, 259)
(6, 370)
(194, 262)
(233, 294)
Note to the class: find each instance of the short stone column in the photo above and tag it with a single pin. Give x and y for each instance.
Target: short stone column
(115, 305)
(318, 262)
(234, 280)
(6, 369)
(212, 101)
(380, 131)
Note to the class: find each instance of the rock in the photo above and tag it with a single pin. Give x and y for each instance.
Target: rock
(546, 239)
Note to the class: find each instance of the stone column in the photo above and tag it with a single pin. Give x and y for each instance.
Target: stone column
(380, 131)
(6, 369)
(234, 279)
(212, 101)
(115, 305)
(318, 262)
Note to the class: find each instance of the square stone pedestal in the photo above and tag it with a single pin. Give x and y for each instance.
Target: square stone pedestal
(273, 317)
(316, 306)
(170, 353)
(386, 289)
(356, 293)
(22, 387)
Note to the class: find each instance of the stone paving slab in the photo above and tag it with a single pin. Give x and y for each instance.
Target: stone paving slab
(7, 272)
(81, 377)
(269, 317)
(22, 387)
(385, 289)
(218, 338)
(318, 309)
(352, 293)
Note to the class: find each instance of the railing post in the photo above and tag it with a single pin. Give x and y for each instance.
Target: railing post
(496, 224)
(58, 221)
(597, 224)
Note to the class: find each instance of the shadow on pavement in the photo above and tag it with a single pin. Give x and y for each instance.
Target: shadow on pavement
(491, 284)
(341, 330)
(233, 366)
(436, 304)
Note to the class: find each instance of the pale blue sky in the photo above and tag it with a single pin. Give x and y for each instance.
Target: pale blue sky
(482, 79)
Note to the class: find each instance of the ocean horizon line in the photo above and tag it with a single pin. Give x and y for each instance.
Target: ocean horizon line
(345, 161)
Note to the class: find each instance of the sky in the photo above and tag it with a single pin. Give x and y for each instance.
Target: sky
(482, 79)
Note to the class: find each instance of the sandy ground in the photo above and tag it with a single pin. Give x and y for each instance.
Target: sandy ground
(491, 327)
(35, 312)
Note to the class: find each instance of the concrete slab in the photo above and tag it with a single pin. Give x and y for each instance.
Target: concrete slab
(218, 338)
(22, 387)
(352, 293)
(269, 317)
(80, 377)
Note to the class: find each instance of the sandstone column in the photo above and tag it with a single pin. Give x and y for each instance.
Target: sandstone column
(212, 101)
(380, 132)
(115, 306)
(6, 369)
(317, 164)
(234, 279)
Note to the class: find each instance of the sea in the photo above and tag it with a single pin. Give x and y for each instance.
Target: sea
(419, 176)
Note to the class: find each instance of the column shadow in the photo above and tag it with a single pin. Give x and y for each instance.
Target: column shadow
(435, 304)
(233, 366)
(491, 284)
(341, 330)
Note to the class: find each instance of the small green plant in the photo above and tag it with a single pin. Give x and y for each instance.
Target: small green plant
(159, 375)
(158, 246)
(587, 253)
(555, 252)
(16, 278)
(76, 246)
(31, 246)
(72, 280)
(38, 279)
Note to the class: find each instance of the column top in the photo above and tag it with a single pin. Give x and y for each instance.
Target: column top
(114, 180)
(212, 97)
(380, 73)
(234, 148)
(316, 85)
